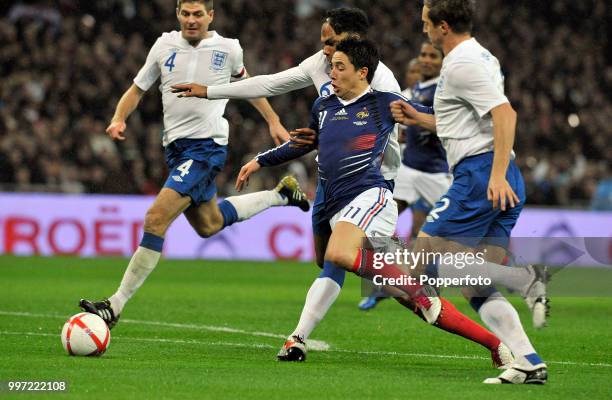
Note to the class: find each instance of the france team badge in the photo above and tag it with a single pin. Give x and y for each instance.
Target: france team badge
(218, 59)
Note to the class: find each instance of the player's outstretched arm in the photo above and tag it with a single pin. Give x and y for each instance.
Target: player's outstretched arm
(504, 125)
(304, 137)
(127, 104)
(190, 90)
(406, 114)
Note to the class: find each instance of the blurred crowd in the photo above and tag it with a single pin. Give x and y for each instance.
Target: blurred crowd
(65, 63)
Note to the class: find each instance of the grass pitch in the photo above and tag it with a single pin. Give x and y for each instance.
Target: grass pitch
(208, 329)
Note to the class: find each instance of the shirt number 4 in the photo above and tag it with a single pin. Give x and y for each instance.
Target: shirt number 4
(170, 62)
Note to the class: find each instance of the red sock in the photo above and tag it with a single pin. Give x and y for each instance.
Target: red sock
(453, 321)
(364, 267)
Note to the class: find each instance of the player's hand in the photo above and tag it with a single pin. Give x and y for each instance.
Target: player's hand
(403, 113)
(278, 132)
(500, 193)
(303, 136)
(190, 90)
(115, 130)
(245, 172)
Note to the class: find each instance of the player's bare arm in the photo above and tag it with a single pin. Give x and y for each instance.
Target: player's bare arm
(405, 114)
(504, 126)
(303, 136)
(127, 104)
(245, 172)
(190, 90)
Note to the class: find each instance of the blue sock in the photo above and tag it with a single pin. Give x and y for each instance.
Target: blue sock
(483, 295)
(152, 242)
(533, 358)
(332, 272)
(230, 215)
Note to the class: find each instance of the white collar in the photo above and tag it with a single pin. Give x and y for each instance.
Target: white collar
(211, 35)
(351, 101)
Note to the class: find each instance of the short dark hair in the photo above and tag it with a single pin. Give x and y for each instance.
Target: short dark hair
(351, 20)
(458, 14)
(361, 53)
(207, 3)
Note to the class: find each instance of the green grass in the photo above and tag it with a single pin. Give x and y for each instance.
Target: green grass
(385, 354)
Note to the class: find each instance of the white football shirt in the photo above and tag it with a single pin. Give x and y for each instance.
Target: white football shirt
(214, 61)
(470, 85)
(312, 71)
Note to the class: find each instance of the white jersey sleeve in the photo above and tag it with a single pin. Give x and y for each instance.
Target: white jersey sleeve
(474, 84)
(384, 81)
(238, 69)
(262, 85)
(150, 71)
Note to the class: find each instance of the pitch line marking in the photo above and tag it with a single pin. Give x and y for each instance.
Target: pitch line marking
(262, 346)
(316, 345)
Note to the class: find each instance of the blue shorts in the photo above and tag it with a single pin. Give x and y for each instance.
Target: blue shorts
(320, 223)
(466, 215)
(421, 205)
(193, 165)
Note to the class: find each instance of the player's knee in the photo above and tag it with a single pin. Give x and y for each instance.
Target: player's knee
(340, 257)
(156, 221)
(209, 227)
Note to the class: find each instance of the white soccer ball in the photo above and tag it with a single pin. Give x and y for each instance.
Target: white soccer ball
(85, 334)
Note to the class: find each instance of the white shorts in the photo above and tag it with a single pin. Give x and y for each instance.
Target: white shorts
(373, 211)
(412, 184)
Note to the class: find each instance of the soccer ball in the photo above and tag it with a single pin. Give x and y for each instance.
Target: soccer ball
(85, 334)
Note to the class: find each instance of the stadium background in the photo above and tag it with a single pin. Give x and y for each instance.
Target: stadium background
(65, 63)
(211, 329)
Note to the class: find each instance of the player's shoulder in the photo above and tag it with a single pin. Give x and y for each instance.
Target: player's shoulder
(171, 38)
(325, 101)
(384, 79)
(470, 52)
(388, 96)
(315, 62)
(221, 41)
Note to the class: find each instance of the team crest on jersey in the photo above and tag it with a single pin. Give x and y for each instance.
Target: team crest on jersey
(218, 60)
(363, 114)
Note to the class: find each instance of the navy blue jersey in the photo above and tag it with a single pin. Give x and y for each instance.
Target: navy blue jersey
(423, 150)
(352, 137)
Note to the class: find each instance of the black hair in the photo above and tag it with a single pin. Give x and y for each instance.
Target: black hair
(351, 20)
(458, 14)
(361, 53)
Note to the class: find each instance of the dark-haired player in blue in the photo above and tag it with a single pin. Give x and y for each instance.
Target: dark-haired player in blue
(353, 127)
(423, 176)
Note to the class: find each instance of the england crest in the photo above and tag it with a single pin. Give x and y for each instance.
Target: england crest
(218, 59)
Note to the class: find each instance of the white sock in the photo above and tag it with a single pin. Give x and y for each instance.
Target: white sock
(251, 204)
(515, 278)
(503, 320)
(321, 295)
(142, 263)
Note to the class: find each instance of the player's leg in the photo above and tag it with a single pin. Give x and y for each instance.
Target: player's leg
(466, 215)
(322, 293)
(193, 164)
(209, 218)
(430, 188)
(346, 243)
(420, 209)
(404, 194)
(167, 206)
